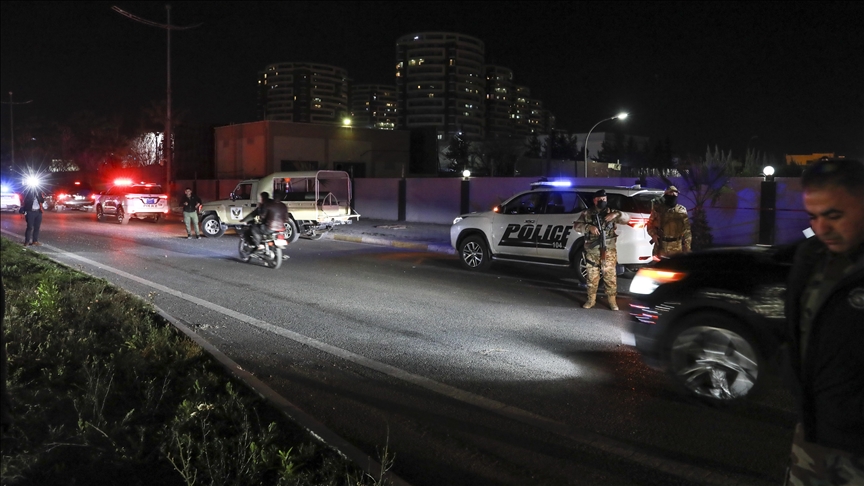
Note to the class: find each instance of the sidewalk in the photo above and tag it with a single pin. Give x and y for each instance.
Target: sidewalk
(401, 234)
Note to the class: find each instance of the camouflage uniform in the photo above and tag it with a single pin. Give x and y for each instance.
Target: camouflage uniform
(669, 229)
(816, 465)
(593, 262)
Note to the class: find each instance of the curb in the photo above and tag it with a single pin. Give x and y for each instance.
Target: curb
(318, 430)
(377, 240)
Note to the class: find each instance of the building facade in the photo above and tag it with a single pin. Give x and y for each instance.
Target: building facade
(440, 83)
(374, 106)
(303, 92)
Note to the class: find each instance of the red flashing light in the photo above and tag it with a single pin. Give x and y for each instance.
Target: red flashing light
(123, 181)
(638, 223)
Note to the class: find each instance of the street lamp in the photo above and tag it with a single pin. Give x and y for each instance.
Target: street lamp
(168, 28)
(619, 116)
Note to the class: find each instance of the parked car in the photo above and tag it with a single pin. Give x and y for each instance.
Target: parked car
(712, 319)
(536, 227)
(125, 200)
(77, 195)
(9, 199)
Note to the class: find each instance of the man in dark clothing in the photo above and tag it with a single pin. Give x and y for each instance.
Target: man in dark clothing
(31, 208)
(825, 311)
(271, 215)
(191, 204)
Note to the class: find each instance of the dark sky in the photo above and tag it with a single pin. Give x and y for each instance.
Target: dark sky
(790, 74)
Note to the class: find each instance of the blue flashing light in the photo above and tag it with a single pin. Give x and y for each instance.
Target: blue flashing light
(543, 183)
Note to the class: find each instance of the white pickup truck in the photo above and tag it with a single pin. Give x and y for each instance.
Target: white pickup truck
(316, 202)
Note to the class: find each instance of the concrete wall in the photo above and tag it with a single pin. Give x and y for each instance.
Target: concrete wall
(734, 219)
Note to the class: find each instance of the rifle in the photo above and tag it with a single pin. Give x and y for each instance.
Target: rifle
(600, 226)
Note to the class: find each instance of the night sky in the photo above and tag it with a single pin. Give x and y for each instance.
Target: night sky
(784, 77)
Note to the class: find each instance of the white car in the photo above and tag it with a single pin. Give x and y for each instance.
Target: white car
(125, 200)
(9, 201)
(536, 227)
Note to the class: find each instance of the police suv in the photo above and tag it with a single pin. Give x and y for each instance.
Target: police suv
(536, 226)
(125, 200)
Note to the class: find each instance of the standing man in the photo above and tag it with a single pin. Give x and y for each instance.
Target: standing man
(598, 224)
(191, 206)
(669, 226)
(31, 208)
(825, 311)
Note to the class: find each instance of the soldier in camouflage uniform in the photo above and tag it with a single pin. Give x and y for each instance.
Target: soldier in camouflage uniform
(587, 224)
(669, 226)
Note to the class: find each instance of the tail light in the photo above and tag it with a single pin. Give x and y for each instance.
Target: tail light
(637, 223)
(648, 279)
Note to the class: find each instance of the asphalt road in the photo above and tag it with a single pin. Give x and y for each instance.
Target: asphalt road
(466, 378)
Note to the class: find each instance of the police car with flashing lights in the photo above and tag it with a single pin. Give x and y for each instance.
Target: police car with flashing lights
(536, 227)
(126, 200)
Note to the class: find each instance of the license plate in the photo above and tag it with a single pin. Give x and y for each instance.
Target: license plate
(281, 243)
(149, 205)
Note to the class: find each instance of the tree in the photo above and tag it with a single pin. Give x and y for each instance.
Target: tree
(457, 153)
(495, 157)
(533, 148)
(706, 180)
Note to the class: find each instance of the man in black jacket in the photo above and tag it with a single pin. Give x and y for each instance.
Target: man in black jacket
(825, 309)
(31, 208)
(271, 215)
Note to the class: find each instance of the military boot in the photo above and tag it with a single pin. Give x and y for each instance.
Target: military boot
(589, 303)
(612, 303)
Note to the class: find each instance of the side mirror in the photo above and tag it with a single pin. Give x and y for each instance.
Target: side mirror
(232, 197)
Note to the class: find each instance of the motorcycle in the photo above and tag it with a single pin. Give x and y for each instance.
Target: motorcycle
(271, 254)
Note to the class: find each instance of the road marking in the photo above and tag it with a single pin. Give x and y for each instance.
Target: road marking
(591, 439)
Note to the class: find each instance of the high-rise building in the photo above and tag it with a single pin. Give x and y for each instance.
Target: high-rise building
(499, 101)
(374, 106)
(441, 83)
(303, 92)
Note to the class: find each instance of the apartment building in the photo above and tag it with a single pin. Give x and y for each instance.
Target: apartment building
(374, 106)
(303, 92)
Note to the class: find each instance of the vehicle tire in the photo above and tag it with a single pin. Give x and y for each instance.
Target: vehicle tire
(155, 219)
(291, 232)
(273, 259)
(577, 261)
(713, 359)
(474, 253)
(212, 227)
(100, 215)
(122, 218)
(245, 250)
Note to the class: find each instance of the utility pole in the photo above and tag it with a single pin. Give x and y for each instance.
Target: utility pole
(168, 138)
(12, 126)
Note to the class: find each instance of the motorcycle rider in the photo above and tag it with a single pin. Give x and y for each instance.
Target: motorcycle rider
(272, 216)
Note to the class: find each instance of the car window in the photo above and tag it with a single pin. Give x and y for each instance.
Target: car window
(528, 203)
(243, 191)
(640, 203)
(145, 190)
(564, 202)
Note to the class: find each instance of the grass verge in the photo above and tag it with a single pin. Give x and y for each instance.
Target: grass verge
(104, 391)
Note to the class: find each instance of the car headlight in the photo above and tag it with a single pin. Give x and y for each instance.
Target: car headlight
(647, 280)
(455, 221)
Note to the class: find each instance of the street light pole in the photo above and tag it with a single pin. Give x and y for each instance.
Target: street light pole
(168, 128)
(12, 126)
(619, 116)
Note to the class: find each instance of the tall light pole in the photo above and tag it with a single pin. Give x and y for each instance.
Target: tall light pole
(12, 126)
(619, 116)
(168, 135)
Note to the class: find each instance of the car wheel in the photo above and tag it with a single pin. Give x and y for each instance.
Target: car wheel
(212, 227)
(121, 216)
(291, 233)
(100, 215)
(474, 254)
(714, 360)
(155, 219)
(577, 261)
